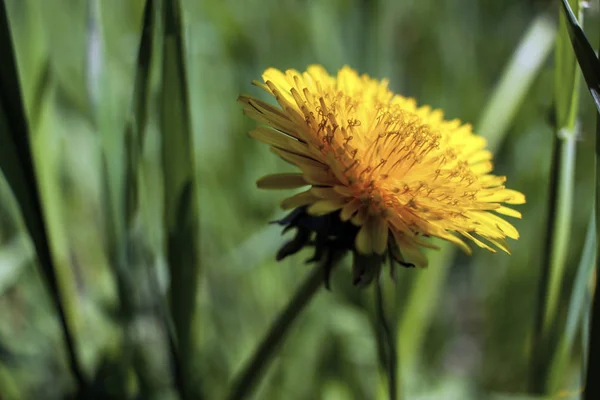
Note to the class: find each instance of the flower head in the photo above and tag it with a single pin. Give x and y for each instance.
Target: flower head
(396, 171)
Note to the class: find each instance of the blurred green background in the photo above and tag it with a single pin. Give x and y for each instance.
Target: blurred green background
(465, 323)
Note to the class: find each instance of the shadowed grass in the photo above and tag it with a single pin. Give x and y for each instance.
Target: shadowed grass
(17, 165)
(180, 190)
(590, 66)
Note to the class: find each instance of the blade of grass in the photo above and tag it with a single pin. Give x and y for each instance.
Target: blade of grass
(517, 77)
(590, 66)
(247, 379)
(566, 90)
(592, 383)
(180, 191)
(586, 57)
(577, 308)
(148, 63)
(121, 186)
(17, 165)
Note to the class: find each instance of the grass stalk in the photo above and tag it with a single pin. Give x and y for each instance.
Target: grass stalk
(562, 175)
(250, 374)
(180, 192)
(592, 383)
(578, 308)
(590, 66)
(18, 166)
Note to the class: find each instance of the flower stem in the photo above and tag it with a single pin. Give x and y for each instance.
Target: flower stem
(387, 335)
(262, 356)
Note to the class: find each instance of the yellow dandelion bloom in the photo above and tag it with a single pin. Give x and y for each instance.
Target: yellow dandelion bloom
(397, 170)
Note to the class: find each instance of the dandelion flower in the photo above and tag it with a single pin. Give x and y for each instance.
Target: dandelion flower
(382, 170)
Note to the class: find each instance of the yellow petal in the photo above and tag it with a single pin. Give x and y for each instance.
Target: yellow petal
(514, 197)
(478, 242)
(414, 255)
(265, 113)
(297, 200)
(480, 156)
(361, 216)
(326, 193)
(508, 211)
(379, 232)
(280, 140)
(492, 223)
(501, 196)
(281, 181)
(344, 190)
(410, 252)
(364, 240)
(322, 207)
(349, 209)
(304, 163)
(482, 168)
(501, 244)
(425, 244)
(320, 176)
(453, 239)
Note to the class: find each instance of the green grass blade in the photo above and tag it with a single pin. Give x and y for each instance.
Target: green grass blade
(180, 191)
(586, 57)
(562, 180)
(592, 383)
(517, 77)
(590, 66)
(577, 308)
(16, 163)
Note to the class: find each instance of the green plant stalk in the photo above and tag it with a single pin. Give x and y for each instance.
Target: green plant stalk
(544, 345)
(251, 373)
(592, 381)
(586, 56)
(577, 309)
(180, 192)
(149, 72)
(387, 336)
(120, 188)
(18, 167)
(516, 79)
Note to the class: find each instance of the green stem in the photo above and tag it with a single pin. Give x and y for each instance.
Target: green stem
(562, 181)
(555, 253)
(391, 358)
(19, 168)
(578, 311)
(592, 383)
(253, 370)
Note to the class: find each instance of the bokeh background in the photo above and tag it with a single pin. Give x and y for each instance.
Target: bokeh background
(464, 323)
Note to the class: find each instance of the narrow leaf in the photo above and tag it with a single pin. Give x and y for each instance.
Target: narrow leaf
(586, 57)
(16, 163)
(180, 201)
